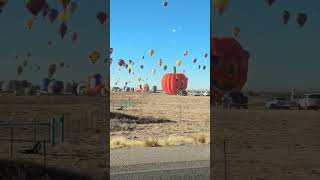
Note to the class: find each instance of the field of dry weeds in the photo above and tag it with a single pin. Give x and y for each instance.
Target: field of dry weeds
(156, 119)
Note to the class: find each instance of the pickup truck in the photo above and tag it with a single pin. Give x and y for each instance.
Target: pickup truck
(309, 101)
(235, 99)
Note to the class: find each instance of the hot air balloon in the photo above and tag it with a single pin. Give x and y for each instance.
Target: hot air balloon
(63, 17)
(153, 71)
(221, 5)
(51, 70)
(205, 55)
(301, 19)
(73, 6)
(142, 57)
(139, 79)
(185, 53)
(270, 2)
(126, 66)
(141, 66)
(61, 64)
(165, 67)
(49, 43)
(130, 62)
(173, 83)
(25, 63)
(178, 62)
(63, 30)
(94, 56)
(35, 6)
(229, 64)
(199, 66)
(53, 14)
(74, 37)
(45, 10)
(160, 62)
(65, 3)
(204, 67)
(236, 31)
(285, 17)
(29, 22)
(165, 3)
(3, 3)
(111, 50)
(19, 70)
(151, 52)
(121, 62)
(194, 60)
(129, 70)
(102, 16)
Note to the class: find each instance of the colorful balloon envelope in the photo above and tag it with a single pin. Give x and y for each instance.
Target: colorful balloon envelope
(74, 37)
(185, 53)
(194, 60)
(121, 62)
(165, 67)
(151, 52)
(160, 62)
(285, 17)
(301, 19)
(165, 3)
(221, 5)
(53, 14)
(63, 17)
(178, 62)
(63, 30)
(29, 22)
(35, 6)
(94, 57)
(102, 16)
(65, 3)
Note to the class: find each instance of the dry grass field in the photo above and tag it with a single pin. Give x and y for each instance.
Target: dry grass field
(156, 119)
(266, 144)
(84, 147)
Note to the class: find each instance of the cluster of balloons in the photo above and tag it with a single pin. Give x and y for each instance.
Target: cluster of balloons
(130, 64)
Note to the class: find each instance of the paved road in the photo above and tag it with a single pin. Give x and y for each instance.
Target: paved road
(180, 162)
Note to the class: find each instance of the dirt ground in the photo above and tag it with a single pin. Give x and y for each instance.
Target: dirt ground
(266, 144)
(168, 115)
(84, 147)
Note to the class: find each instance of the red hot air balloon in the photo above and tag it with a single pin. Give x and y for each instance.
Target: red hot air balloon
(63, 30)
(301, 19)
(121, 62)
(229, 63)
(173, 83)
(102, 16)
(285, 16)
(35, 6)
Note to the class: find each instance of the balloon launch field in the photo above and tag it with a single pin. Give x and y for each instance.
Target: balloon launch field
(84, 135)
(156, 115)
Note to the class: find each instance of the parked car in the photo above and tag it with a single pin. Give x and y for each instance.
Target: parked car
(196, 93)
(183, 93)
(277, 103)
(309, 101)
(206, 93)
(235, 99)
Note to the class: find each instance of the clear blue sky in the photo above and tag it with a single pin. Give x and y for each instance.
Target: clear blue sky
(16, 39)
(137, 26)
(282, 56)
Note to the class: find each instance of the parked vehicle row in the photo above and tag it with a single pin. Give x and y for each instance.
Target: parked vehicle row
(305, 102)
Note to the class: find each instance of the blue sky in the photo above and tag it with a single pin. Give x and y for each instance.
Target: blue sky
(137, 26)
(282, 56)
(16, 39)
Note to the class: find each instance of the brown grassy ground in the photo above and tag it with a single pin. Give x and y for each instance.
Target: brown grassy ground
(156, 116)
(84, 147)
(268, 145)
